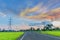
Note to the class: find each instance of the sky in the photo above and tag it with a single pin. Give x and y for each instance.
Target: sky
(16, 9)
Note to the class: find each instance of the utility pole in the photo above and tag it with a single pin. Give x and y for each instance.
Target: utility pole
(10, 23)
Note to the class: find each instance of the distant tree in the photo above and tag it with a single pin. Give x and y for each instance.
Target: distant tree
(32, 29)
(48, 27)
(3, 30)
(38, 29)
(0, 29)
(57, 28)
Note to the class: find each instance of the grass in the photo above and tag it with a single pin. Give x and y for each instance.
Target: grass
(53, 33)
(10, 35)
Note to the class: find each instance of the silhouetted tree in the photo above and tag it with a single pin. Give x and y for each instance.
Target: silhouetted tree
(57, 28)
(32, 29)
(48, 27)
(38, 29)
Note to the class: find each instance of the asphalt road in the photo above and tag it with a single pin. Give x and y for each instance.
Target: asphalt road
(36, 36)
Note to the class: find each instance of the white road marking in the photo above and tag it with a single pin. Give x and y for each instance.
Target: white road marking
(23, 36)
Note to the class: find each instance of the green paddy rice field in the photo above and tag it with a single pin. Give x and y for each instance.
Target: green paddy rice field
(10, 35)
(53, 33)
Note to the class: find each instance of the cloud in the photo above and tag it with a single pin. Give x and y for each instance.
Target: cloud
(2, 14)
(43, 11)
(36, 8)
(24, 12)
(52, 2)
(56, 23)
(53, 14)
(30, 10)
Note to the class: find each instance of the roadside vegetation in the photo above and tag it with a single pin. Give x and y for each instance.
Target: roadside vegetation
(53, 33)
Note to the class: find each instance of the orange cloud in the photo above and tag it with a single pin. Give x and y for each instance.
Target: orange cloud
(43, 12)
(36, 8)
(51, 15)
(23, 13)
(29, 10)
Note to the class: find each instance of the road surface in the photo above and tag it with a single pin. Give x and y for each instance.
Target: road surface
(36, 36)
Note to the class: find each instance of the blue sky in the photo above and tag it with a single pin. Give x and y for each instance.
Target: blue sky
(14, 7)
